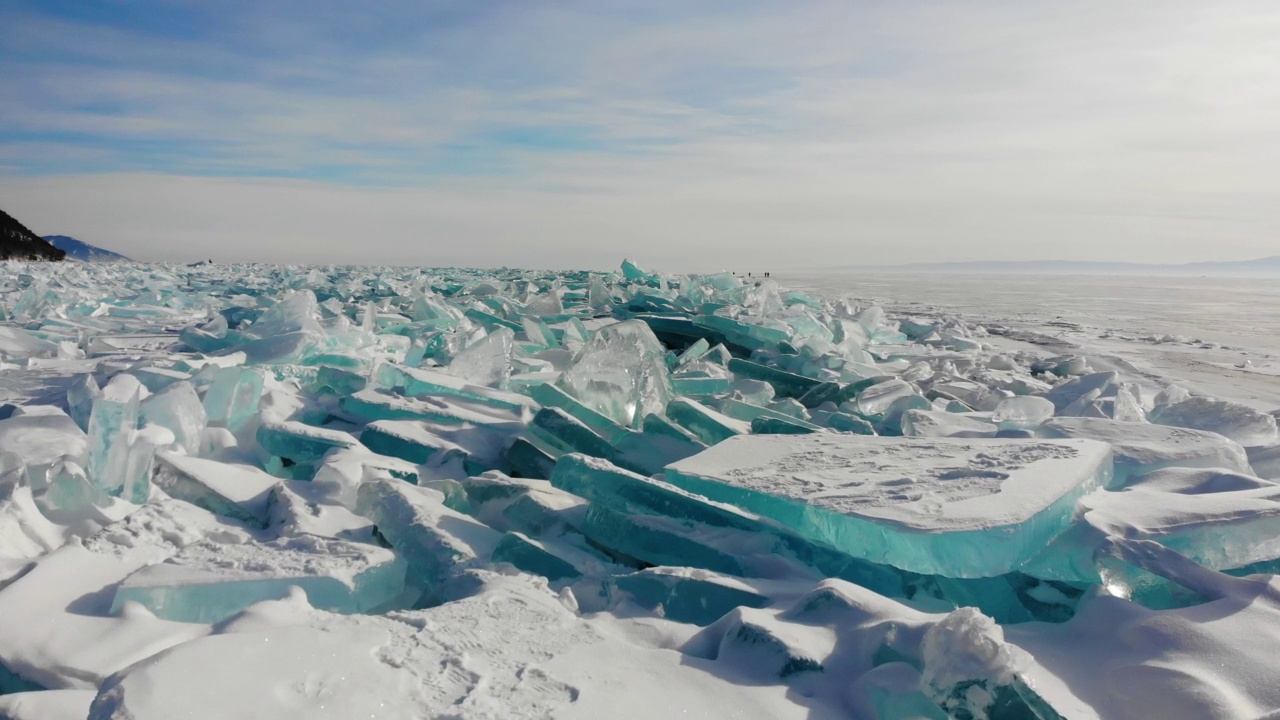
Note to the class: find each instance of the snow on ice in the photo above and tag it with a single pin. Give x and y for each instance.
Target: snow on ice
(337, 492)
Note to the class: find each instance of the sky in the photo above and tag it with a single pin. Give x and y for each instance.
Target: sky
(686, 135)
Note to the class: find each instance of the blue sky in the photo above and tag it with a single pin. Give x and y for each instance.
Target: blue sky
(685, 134)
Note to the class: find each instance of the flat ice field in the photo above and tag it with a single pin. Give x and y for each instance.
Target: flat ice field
(335, 492)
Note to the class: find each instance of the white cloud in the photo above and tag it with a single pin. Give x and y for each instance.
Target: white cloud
(767, 134)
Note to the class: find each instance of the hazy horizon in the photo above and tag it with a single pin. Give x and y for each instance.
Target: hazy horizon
(726, 135)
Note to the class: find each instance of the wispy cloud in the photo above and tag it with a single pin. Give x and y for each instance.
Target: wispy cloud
(774, 131)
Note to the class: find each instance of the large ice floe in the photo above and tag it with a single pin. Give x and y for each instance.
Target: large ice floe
(337, 492)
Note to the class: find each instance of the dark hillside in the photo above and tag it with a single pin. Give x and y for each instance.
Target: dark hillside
(17, 242)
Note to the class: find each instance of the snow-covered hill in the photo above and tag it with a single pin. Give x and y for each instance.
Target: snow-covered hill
(83, 251)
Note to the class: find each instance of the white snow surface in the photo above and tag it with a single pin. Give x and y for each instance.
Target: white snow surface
(924, 485)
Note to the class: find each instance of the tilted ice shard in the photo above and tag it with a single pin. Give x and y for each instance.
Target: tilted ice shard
(487, 361)
(232, 400)
(1071, 391)
(1127, 407)
(81, 394)
(959, 508)
(177, 408)
(1022, 413)
(621, 374)
(112, 427)
(69, 489)
(137, 483)
(1220, 530)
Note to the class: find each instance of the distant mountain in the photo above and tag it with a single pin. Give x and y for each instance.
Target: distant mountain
(83, 251)
(1261, 267)
(17, 242)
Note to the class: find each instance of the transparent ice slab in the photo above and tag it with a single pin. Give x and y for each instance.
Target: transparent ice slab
(208, 581)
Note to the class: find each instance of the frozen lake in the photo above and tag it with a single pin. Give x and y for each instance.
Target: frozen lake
(1229, 311)
(1237, 320)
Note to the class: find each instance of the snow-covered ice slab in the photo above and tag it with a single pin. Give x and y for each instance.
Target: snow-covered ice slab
(1141, 448)
(242, 492)
(945, 506)
(209, 581)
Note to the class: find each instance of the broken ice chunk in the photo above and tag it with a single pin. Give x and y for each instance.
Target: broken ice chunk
(940, 423)
(18, 343)
(538, 332)
(69, 490)
(1022, 413)
(688, 595)
(959, 508)
(208, 581)
(41, 440)
(156, 379)
(371, 405)
(876, 399)
(487, 361)
(621, 373)
(785, 384)
(417, 382)
(530, 507)
(1170, 395)
(535, 557)
(1220, 530)
(436, 542)
(1072, 390)
(241, 492)
(81, 394)
(232, 400)
(968, 666)
(1140, 448)
(1249, 427)
(410, 441)
(179, 409)
(706, 424)
(655, 540)
(1127, 408)
(137, 484)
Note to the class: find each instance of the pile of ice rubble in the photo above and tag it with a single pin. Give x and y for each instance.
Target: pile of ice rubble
(249, 491)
